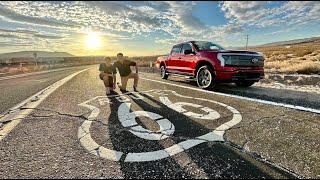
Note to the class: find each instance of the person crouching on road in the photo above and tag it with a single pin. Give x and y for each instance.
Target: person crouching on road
(107, 74)
(123, 67)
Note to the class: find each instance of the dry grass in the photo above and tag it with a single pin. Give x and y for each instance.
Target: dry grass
(295, 50)
(291, 66)
(303, 58)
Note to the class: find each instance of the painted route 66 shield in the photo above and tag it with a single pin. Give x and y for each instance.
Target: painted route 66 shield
(152, 125)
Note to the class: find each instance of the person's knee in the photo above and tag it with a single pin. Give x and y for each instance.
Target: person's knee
(136, 75)
(105, 78)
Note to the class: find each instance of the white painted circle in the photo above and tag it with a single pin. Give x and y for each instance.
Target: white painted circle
(92, 147)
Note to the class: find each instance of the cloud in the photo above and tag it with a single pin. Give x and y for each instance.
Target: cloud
(47, 36)
(173, 21)
(258, 14)
(16, 17)
(26, 34)
(28, 38)
(8, 44)
(25, 31)
(136, 18)
(10, 36)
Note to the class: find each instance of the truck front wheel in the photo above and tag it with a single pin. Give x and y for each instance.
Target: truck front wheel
(205, 77)
(163, 72)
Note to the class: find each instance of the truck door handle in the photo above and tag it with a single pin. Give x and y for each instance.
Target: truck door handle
(179, 58)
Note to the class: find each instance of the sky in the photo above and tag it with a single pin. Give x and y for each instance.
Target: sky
(138, 28)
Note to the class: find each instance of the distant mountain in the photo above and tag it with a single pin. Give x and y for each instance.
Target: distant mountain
(279, 43)
(29, 54)
(291, 42)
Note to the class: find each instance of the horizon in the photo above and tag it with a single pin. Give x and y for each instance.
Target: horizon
(254, 46)
(150, 28)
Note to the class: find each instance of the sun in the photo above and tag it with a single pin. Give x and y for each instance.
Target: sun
(93, 40)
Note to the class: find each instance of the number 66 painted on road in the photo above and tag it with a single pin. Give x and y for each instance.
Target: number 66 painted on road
(127, 119)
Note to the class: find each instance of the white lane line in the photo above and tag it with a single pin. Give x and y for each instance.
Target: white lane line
(294, 75)
(32, 73)
(16, 115)
(301, 108)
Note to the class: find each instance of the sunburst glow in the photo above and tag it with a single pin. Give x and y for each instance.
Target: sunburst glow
(93, 40)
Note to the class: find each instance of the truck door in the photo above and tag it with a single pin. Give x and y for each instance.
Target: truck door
(174, 58)
(188, 59)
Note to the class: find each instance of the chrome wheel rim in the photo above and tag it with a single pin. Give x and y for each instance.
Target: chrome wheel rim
(204, 77)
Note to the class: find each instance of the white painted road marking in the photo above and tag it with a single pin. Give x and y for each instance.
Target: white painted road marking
(178, 106)
(16, 115)
(127, 120)
(301, 108)
(32, 73)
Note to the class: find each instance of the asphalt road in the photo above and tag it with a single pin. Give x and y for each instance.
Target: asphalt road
(15, 90)
(162, 131)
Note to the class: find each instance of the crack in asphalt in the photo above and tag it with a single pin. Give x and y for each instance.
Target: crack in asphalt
(241, 148)
(245, 148)
(123, 129)
(126, 129)
(260, 158)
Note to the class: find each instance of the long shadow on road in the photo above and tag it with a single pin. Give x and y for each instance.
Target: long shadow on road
(211, 160)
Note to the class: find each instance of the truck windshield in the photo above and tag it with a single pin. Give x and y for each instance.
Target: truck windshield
(205, 46)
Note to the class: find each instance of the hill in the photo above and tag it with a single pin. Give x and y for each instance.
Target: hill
(280, 43)
(293, 42)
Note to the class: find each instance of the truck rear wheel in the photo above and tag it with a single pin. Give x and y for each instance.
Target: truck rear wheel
(163, 72)
(245, 83)
(205, 77)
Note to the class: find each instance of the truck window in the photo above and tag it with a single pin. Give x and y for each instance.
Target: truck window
(205, 46)
(176, 50)
(186, 47)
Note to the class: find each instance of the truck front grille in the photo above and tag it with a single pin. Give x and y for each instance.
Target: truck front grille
(243, 60)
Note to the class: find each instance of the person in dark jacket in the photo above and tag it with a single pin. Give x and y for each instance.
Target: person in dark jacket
(123, 67)
(108, 75)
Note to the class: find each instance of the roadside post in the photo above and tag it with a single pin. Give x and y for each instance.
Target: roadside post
(151, 66)
(35, 59)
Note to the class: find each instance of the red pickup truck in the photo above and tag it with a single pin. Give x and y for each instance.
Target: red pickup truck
(209, 63)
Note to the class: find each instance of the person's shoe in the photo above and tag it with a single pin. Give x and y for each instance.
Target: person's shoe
(135, 89)
(123, 91)
(107, 91)
(112, 92)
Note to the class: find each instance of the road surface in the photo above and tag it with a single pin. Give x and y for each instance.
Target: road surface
(72, 130)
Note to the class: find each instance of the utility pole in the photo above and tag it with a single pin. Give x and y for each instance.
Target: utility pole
(35, 58)
(247, 42)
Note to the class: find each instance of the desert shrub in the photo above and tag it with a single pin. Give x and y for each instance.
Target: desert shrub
(302, 51)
